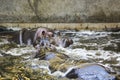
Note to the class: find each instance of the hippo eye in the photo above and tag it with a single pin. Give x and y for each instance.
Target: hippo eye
(43, 32)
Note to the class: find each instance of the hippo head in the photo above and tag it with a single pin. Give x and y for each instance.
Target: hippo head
(67, 42)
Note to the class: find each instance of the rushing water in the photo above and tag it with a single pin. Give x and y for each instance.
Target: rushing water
(88, 47)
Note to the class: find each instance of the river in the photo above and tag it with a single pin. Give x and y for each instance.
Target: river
(99, 47)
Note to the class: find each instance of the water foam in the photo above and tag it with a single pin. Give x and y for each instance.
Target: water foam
(21, 51)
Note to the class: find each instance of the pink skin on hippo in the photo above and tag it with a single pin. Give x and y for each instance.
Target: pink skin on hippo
(39, 33)
(42, 33)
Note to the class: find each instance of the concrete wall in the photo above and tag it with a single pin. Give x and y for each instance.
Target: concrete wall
(76, 26)
(59, 10)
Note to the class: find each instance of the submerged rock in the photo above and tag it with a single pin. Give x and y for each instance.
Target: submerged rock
(8, 46)
(50, 56)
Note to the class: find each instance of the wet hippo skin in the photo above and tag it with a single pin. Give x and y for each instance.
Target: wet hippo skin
(22, 36)
(28, 35)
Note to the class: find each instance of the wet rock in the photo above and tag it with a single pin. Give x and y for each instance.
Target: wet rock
(60, 63)
(55, 63)
(90, 72)
(50, 56)
(41, 53)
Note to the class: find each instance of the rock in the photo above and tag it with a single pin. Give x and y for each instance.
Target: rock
(55, 63)
(59, 64)
(50, 56)
(90, 72)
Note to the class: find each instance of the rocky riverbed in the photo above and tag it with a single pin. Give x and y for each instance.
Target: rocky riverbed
(17, 62)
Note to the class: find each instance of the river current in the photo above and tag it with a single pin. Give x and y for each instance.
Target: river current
(99, 47)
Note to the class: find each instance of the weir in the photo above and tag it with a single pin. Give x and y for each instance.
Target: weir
(77, 26)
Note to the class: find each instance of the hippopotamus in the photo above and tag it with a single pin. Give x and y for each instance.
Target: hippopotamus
(62, 41)
(36, 36)
(23, 36)
(45, 36)
(67, 42)
(42, 35)
(42, 32)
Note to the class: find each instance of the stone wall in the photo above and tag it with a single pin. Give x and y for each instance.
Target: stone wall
(59, 10)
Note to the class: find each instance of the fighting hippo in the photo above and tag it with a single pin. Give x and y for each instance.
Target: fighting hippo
(44, 36)
(23, 36)
(40, 36)
(43, 32)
